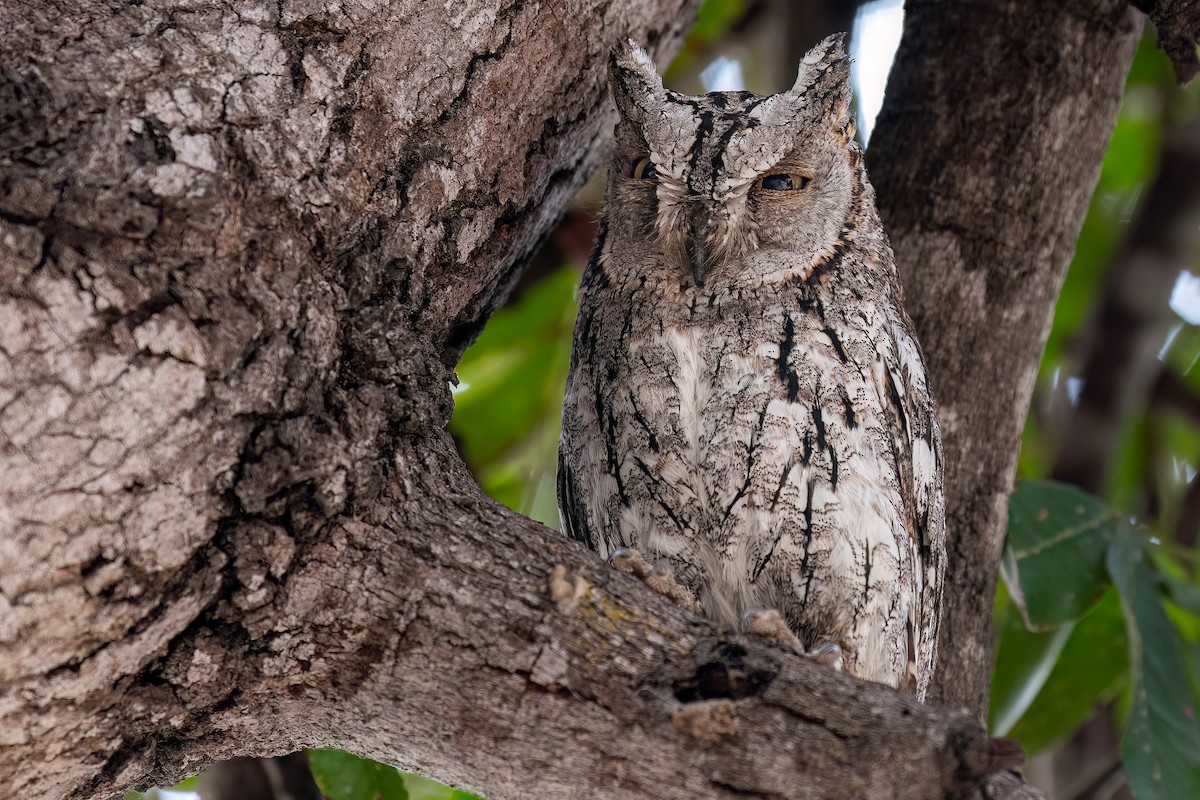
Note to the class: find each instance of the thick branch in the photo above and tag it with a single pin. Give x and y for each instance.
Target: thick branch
(450, 658)
(985, 156)
(1178, 23)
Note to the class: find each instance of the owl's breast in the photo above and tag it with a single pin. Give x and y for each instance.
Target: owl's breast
(747, 451)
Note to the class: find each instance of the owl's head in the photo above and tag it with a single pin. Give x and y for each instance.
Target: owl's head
(731, 183)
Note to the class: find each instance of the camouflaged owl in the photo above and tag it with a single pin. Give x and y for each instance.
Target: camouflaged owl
(747, 404)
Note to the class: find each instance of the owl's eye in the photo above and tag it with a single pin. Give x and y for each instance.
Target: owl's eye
(644, 170)
(783, 182)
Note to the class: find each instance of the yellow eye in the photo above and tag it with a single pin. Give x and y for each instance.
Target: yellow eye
(782, 182)
(644, 170)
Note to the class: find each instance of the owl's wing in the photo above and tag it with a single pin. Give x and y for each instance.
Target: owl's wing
(571, 513)
(580, 421)
(917, 449)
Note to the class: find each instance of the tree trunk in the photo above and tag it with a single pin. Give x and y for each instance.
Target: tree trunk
(242, 247)
(1012, 105)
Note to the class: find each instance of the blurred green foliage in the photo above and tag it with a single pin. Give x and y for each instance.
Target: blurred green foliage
(341, 776)
(1139, 646)
(714, 18)
(508, 401)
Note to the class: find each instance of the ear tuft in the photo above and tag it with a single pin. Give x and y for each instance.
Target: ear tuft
(827, 51)
(633, 81)
(824, 79)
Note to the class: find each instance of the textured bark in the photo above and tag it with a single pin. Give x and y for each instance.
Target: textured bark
(1178, 23)
(242, 246)
(1013, 106)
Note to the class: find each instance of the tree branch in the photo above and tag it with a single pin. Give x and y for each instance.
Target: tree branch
(1178, 23)
(451, 658)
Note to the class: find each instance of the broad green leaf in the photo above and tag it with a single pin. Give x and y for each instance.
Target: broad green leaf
(1090, 670)
(1054, 559)
(342, 776)
(1161, 745)
(1024, 661)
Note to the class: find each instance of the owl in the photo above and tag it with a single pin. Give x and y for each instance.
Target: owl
(747, 404)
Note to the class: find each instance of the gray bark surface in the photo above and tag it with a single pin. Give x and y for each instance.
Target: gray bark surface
(242, 246)
(983, 217)
(1178, 23)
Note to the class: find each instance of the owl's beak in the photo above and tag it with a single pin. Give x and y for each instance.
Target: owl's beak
(697, 245)
(698, 256)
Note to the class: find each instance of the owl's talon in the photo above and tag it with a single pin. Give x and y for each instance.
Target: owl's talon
(770, 623)
(629, 561)
(829, 654)
(662, 581)
(658, 578)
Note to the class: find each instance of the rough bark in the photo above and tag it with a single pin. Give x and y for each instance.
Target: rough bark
(1013, 105)
(1178, 23)
(242, 245)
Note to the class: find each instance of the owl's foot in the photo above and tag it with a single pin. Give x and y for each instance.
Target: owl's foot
(770, 623)
(829, 654)
(567, 595)
(657, 577)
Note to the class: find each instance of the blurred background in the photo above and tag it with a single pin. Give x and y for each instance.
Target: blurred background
(1111, 445)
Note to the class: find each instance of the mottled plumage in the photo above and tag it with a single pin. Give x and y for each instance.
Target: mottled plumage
(747, 401)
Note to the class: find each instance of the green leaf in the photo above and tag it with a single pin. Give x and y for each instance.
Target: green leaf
(425, 789)
(342, 776)
(1161, 745)
(1024, 661)
(1054, 560)
(1091, 668)
(1183, 594)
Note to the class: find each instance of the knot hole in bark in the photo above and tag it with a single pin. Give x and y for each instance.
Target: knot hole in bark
(730, 673)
